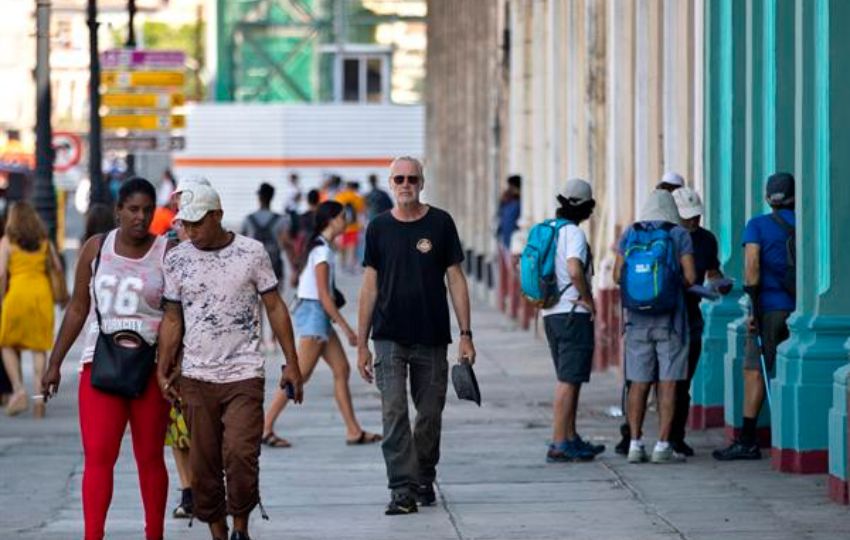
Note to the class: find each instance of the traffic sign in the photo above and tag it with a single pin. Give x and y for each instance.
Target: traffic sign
(144, 122)
(140, 143)
(68, 148)
(135, 79)
(135, 59)
(142, 101)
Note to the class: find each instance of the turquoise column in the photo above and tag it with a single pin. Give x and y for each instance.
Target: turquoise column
(807, 362)
(725, 96)
(838, 487)
(757, 110)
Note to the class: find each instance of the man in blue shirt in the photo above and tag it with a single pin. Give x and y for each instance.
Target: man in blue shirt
(768, 274)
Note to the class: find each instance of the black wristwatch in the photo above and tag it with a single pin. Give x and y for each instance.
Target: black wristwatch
(466, 333)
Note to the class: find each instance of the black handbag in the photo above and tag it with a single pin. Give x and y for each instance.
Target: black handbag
(339, 298)
(123, 361)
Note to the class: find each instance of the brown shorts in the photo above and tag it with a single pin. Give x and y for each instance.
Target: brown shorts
(774, 330)
(225, 427)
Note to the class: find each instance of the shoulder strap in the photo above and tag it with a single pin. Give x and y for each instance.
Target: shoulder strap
(268, 227)
(787, 227)
(94, 274)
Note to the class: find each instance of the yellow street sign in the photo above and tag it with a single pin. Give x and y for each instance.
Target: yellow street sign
(144, 122)
(134, 79)
(142, 101)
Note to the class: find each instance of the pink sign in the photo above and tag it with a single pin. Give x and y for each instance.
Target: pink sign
(138, 58)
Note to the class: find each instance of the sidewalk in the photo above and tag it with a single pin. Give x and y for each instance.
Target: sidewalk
(493, 482)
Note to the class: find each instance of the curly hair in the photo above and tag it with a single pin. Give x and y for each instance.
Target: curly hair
(24, 228)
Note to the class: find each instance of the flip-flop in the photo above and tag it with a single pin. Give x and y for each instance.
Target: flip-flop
(364, 438)
(273, 441)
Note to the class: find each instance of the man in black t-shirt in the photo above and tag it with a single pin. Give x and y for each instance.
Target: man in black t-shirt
(707, 265)
(411, 252)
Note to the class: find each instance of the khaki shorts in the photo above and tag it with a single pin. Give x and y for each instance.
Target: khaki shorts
(655, 354)
(774, 330)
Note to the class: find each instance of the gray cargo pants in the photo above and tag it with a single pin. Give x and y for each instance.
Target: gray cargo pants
(411, 458)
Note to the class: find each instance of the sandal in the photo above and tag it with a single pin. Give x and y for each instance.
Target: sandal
(364, 438)
(17, 404)
(273, 441)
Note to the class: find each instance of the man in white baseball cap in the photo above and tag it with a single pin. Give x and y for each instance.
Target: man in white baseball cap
(213, 284)
(707, 265)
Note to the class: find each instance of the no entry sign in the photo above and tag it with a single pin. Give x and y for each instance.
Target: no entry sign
(68, 149)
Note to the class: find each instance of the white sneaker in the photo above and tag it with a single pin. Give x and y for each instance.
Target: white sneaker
(667, 455)
(637, 454)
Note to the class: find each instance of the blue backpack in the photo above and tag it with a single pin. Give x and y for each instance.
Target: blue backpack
(651, 279)
(537, 264)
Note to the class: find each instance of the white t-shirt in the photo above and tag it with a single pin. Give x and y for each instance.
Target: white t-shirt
(572, 244)
(307, 287)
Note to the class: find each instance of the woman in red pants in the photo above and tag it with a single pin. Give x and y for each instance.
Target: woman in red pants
(128, 284)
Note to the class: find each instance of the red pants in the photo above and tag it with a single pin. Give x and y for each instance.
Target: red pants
(103, 420)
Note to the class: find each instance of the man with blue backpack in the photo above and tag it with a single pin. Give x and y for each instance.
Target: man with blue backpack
(655, 265)
(770, 282)
(556, 268)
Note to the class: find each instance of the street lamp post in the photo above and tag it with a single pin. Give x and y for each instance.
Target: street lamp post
(44, 193)
(98, 192)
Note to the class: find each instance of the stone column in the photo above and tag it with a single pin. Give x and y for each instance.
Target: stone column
(576, 162)
(802, 389)
(724, 99)
(556, 92)
(648, 105)
(677, 87)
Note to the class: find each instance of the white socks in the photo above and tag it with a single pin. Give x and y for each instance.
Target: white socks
(660, 446)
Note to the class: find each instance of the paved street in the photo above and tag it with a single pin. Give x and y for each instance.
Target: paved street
(493, 481)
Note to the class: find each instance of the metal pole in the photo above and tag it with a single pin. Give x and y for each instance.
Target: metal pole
(131, 44)
(99, 193)
(131, 30)
(44, 194)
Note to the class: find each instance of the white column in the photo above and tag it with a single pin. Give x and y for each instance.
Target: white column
(519, 134)
(556, 97)
(647, 98)
(621, 100)
(576, 88)
(539, 110)
(678, 85)
(698, 92)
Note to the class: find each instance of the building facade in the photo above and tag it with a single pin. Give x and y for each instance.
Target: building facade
(725, 93)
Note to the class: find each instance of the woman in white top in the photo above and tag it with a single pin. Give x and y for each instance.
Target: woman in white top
(119, 274)
(317, 308)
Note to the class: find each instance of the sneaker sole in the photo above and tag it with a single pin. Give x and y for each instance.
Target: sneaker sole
(570, 460)
(401, 511)
(738, 458)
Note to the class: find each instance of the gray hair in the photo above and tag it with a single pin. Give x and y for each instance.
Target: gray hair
(414, 161)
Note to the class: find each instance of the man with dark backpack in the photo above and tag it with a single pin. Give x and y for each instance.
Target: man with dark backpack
(769, 276)
(271, 230)
(655, 265)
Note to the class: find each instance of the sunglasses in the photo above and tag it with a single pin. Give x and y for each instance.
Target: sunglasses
(411, 179)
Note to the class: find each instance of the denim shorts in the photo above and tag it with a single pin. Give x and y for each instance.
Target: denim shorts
(311, 320)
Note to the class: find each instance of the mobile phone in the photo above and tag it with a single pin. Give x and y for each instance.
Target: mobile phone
(289, 389)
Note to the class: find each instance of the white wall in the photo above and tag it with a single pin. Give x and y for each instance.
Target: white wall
(238, 146)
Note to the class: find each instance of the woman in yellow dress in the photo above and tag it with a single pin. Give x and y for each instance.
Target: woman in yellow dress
(26, 301)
